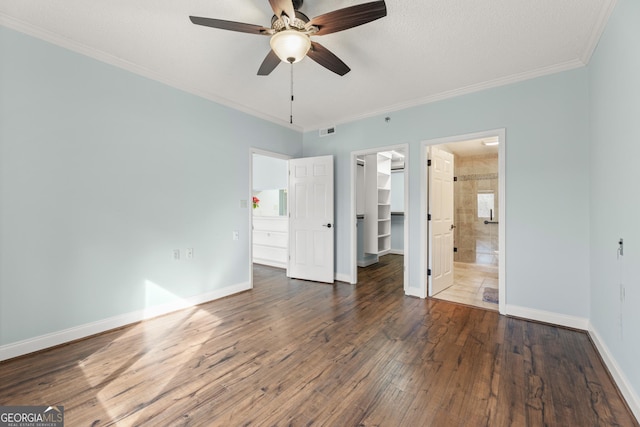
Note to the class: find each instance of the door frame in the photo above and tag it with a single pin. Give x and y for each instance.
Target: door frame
(353, 219)
(265, 153)
(423, 264)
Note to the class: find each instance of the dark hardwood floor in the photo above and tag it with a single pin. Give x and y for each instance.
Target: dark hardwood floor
(291, 352)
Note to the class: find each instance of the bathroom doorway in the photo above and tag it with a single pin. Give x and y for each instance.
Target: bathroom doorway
(473, 252)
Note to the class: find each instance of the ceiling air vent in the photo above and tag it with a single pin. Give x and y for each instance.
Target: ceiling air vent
(327, 131)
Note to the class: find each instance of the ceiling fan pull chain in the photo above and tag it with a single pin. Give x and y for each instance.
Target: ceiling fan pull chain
(291, 103)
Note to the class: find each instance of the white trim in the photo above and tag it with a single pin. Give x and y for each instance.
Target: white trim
(502, 226)
(422, 226)
(42, 342)
(415, 292)
(502, 179)
(270, 263)
(559, 319)
(621, 380)
(502, 81)
(597, 30)
(368, 262)
(396, 251)
(340, 277)
(405, 227)
(266, 153)
(353, 220)
(353, 214)
(107, 58)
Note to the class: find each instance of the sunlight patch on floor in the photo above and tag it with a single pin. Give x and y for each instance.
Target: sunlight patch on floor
(127, 363)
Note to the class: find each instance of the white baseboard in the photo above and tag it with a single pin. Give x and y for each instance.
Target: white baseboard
(340, 277)
(396, 251)
(414, 292)
(621, 380)
(630, 395)
(548, 317)
(270, 263)
(41, 342)
(367, 262)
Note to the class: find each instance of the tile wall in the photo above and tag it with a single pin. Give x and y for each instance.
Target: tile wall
(476, 242)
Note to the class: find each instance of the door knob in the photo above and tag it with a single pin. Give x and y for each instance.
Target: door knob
(452, 227)
(326, 225)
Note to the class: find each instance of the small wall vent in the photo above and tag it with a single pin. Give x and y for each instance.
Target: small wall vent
(327, 131)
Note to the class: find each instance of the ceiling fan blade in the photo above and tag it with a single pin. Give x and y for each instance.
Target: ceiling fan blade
(348, 17)
(327, 59)
(285, 6)
(270, 62)
(230, 25)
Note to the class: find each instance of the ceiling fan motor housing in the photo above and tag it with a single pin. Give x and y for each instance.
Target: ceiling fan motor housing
(298, 22)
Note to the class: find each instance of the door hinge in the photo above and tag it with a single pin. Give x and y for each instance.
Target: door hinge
(455, 249)
(429, 162)
(428, 217)
(429, 272)
(455, 179)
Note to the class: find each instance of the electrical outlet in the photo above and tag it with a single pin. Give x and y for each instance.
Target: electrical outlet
(176, 254)
(236, 235)
(189, 253)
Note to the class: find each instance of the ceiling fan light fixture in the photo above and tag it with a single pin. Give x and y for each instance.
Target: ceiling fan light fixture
(290, 45)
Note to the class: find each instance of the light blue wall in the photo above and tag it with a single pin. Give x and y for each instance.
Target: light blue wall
(614, 77)
(269, 173)
(397, 191)
(397, 233)
(397, 205)
(102, 174)
(547, 180)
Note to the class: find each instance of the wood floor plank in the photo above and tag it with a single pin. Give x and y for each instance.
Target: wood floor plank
(297, 353)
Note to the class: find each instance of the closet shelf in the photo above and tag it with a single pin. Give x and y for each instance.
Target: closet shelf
(377, 222)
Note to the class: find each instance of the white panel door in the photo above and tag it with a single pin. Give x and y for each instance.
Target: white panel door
(311, 228)
(441, 224)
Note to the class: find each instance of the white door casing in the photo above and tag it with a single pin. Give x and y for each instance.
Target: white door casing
(441, 224)
(311, 226)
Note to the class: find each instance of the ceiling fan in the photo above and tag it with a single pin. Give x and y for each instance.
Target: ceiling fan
(291, 32)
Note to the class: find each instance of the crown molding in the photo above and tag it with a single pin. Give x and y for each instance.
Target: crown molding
(490, 84)
(117, 62)
(598, 29)
(104, 57)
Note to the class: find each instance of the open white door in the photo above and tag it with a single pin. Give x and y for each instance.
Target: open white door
(441, 224)
(311, 225)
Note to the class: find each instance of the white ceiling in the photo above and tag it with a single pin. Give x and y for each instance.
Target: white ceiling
(472, 147)
(421, 51)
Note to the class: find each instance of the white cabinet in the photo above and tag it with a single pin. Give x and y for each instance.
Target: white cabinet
(377, 215)
(270, 239)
